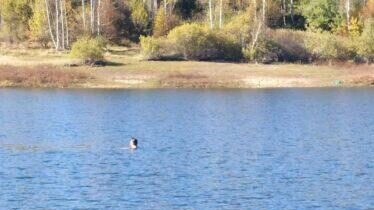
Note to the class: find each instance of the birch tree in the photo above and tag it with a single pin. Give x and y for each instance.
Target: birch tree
(264, 12)
(57, 25)
(84, 14)
(210, 14)
(291, 11)
(58, 31)
(284, 12)
(62, 17)
(348, 9)
(220, 13)
(66, 24)
(50, 25)
(98, 17)
(92, 16)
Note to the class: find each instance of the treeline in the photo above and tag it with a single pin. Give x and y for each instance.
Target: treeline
(250, 30)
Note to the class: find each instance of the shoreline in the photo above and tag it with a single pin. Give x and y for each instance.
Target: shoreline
(126, 70)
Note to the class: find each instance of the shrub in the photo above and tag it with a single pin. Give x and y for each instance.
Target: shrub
(191, 42)
(326, 46)
(365, 46)
(89, 50)
(197, 42)
(291, 43)
(265, 51)
(152, 47)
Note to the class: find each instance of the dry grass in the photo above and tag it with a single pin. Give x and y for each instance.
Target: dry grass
(40, 76)
(37, 68)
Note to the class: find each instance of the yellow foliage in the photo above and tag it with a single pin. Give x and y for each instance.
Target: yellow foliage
(355, 27)
(38, 23)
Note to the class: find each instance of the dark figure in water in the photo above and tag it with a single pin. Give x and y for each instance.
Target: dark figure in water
(133, 143)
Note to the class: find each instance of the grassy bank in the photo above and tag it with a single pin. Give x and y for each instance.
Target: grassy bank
(126, 69)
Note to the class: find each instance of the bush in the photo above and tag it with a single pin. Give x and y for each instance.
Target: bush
(292, 45)
(365, 46)
(157, 49)
(326, 46)
(89, 50)
(197, 42)
(191, 42)
(265, 51)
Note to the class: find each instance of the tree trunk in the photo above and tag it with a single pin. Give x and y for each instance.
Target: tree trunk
(256, 36)
(348, 10)
(50, 25)
(255, 9)
(292, 13)
(165, 8)
(66, 25)
(98, 17)
(284, 12)
(84, 14)
(210, 14)
(220, 13)
(62, 26)
(264, 11)
(92, 17)
(57, 25)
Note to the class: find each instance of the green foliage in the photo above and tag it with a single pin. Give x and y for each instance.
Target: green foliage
(139, 14)
(321, 14)
(88, 49)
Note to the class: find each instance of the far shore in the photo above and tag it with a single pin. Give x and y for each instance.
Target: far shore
(126, 70)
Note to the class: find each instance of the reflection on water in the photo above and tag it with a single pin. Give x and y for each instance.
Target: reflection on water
(253, 149)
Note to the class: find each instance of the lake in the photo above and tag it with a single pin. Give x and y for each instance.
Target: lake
(198, 149)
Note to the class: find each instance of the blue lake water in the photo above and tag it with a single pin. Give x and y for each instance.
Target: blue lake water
(199, 149)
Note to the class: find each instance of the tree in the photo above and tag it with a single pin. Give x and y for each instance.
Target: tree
(108, 20)
(59, 29)
(139, 15)
(321, 14)
(84, 14)
(164, 22)
(160, 27)
(15, 15)
(211, 14)
(38, 23)
(186, 8)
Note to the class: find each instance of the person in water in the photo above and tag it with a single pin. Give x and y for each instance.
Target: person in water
(133, 143)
